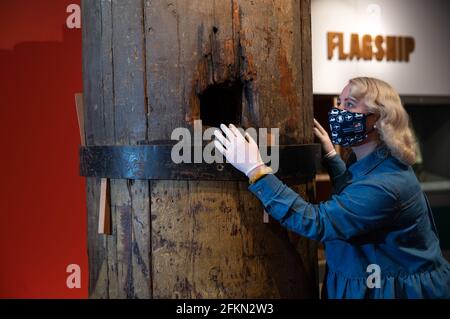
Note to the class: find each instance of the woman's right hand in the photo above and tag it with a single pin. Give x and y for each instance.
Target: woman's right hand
(325, 140)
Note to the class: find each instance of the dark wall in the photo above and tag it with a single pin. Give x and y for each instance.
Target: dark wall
(432, 126)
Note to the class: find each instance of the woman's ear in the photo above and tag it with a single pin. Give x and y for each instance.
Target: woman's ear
(372, 122)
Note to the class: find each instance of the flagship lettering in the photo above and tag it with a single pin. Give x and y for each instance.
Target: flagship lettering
(368, 47)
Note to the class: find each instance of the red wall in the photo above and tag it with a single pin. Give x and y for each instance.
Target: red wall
(43, 206)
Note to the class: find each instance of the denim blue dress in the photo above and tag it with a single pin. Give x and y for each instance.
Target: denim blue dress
(377, 228)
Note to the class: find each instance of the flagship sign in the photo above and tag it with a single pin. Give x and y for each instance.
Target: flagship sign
(405, 43)
(368, 47)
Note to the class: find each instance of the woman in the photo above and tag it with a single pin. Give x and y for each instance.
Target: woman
(378, 221)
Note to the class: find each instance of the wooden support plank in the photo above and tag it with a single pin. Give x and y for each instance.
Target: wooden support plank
(104, 215)
(80, 116)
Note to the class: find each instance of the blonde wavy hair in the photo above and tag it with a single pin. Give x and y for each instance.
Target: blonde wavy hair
(394, 126)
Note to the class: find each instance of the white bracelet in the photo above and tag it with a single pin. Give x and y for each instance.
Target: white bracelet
(330, 154)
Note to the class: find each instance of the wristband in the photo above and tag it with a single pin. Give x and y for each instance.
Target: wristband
(330, 154)
(260, 173)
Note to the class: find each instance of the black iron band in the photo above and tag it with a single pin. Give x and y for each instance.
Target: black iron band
(296, 162)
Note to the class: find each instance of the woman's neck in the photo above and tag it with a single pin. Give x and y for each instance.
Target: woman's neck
(364, 149)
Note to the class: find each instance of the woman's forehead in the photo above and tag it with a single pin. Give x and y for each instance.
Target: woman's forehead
(345, 92)
(351, 92)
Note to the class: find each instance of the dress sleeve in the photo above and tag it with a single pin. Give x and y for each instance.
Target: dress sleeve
(361, 207)
(336, 168)
(335, 165)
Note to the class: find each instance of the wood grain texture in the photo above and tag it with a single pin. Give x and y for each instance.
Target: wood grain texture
(114, 79)
(145, 65)
(95, 135)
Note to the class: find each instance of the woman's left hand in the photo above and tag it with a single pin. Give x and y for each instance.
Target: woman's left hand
(240, 150)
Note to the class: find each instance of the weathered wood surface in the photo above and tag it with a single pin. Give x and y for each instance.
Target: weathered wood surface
(145, 63)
